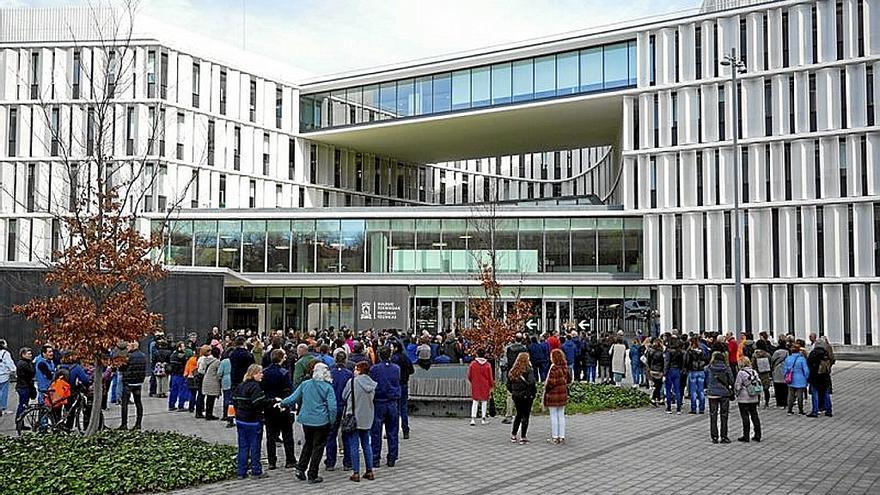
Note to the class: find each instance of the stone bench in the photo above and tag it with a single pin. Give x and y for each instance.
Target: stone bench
(442, 391)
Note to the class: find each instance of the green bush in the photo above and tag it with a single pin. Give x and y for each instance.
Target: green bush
(584, 397)
(111, 462)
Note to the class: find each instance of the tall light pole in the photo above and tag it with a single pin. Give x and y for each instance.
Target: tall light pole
(737, 66)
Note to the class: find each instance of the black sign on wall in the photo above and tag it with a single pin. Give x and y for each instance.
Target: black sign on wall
(382, 308)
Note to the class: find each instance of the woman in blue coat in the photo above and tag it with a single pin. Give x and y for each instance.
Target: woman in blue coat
(317, 411)
(796, 363)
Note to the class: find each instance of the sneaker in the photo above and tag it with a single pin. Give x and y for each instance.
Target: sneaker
(678, 412)
(483, 421)
(513, 439)
(299, 475)
(473, 423)
(523, 441)
(316, 479)
(390, 463)
(669, 411)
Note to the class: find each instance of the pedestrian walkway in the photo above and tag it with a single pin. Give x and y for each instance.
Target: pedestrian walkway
(637, 451)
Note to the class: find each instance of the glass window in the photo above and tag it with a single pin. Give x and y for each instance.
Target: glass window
(531, 245)
(181, 243)
(278, 246)
(523, 80)
(567, 73)
(557, 245)
(591, 69)
(371, 103)
(322, 110)
(352, 246)
(545, 76)
(632, 245)
(429, 253)
(501, 83)
(461, 89)
(423, 96)
(327, 245)
(378, 245)
(388, 100)
(583, 245)
(442, 93)
(480, 87)
(616, 65)
(609, 238)
(205, 240)
(339, 110)
(253, 246)
(405, 95)
(229, 255)
(354, 98)
(304, 246)
(307, 113)
(456, 258)
(403, 256)
(633, 63)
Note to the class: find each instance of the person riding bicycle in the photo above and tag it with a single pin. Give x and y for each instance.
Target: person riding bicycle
(80, 383)
(58, 393)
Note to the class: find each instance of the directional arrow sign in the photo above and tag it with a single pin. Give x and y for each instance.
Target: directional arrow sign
(531, 324)
(583, 324)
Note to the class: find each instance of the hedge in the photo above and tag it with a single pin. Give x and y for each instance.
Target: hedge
(111, 462)
(584, 397)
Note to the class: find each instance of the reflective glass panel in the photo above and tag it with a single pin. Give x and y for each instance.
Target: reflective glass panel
(583, 245)
(531, 245)
(610, 244)
(205, 240)
(480, 87)
(501, 83)
(424, 96)
(180, 251)
(354, 98)
(405, 98)
(545, 76)
(278, 246)
(616, 65)
(371, 103)
(327, 245)
(253, 246)
(632, 245)
(567, 73)
(456, 258)
(304, 246)
(352, 246)
(378, 244)
(461, 89)
(442, 93)
(633, 63)
(229, 255)
(388, 100)
(403, 257)
(429, 246)
(556, 244)
(523, 80)
(591, 69)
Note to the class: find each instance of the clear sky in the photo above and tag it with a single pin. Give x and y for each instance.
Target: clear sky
(329, 36)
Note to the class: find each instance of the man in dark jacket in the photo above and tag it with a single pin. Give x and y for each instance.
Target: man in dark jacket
(399, 358)
(340, 375)
(357, 356)
(386, 405)
(178, 394)
(24, 385)
(133, 374)
(276, 384)
(510, 354)
(239, 359)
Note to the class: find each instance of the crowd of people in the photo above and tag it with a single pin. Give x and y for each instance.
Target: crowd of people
(348, 391)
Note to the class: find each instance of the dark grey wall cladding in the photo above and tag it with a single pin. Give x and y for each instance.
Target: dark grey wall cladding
(188, 301)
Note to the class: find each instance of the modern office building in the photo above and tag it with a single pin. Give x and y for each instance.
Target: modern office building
(598, 166)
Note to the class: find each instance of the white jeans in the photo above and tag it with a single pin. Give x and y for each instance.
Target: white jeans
(557, 422)
(475, 404)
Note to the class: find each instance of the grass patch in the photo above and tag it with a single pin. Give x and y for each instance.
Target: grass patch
(111, 462)
(583, 398)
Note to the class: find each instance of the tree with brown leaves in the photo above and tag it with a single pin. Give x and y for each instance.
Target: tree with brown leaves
(492, 330)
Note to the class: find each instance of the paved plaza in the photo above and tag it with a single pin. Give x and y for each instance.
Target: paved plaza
(641, 451)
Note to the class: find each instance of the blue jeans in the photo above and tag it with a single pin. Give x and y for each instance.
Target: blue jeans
(591, 372)
(696, 390)
(24, 396)
(636, 373)
(387, 415)
(4, 395)
(116, 387)
(673, 388)
(178, 394)
(821, 400)
(331, 448)
(359, 438)
(404, 406)
(250, 438)
(227, 400)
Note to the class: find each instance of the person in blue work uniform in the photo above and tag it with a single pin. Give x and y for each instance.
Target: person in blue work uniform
(387, 407)
(570, 348)
(340, 375)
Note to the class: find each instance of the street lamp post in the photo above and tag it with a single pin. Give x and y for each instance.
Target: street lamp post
(737, 66)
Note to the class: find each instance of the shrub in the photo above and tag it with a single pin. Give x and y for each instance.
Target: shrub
(584, 397)
(111, 462)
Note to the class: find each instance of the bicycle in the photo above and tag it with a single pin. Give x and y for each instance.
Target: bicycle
(41, 418)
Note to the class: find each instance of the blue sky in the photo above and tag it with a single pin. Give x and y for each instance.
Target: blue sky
(330, 36)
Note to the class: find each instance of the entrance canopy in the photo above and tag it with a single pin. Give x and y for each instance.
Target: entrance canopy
(574, 122)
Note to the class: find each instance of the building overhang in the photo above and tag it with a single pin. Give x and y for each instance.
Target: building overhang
(560, 123)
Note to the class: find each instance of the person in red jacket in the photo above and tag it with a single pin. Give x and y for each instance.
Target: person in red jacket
(732, 352)
(553, 341)
(556, 395)
(480, 376)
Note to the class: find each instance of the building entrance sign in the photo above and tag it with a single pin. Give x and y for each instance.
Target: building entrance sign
(382, 308)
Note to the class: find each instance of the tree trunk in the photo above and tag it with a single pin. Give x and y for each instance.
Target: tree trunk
(97, 395)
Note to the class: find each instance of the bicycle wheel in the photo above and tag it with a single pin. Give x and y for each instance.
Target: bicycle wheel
(34, 419)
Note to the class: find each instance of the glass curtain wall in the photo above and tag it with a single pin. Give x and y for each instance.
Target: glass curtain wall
(591, 69)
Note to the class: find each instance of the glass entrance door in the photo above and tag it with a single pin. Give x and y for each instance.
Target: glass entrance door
(452, 315)
(556, 315)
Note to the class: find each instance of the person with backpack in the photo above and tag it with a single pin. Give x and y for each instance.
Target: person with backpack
(179, 394)
(748, 390)
(761, 364)
(797, 374)
(656, 366)
(695, 364)
(719, 390)
(819, 364)
(777, 364)
(159, 357)
(58, 394)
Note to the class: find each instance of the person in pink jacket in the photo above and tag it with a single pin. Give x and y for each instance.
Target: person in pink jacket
(480, 376)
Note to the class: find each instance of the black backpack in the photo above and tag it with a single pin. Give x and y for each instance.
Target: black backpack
(697, 360)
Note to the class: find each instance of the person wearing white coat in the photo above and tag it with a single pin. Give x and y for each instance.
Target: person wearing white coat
(618, 360)
(7, 367)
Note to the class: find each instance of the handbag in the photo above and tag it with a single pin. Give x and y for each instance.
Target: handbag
(493, 409)
(349, 421)
(789, 375)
